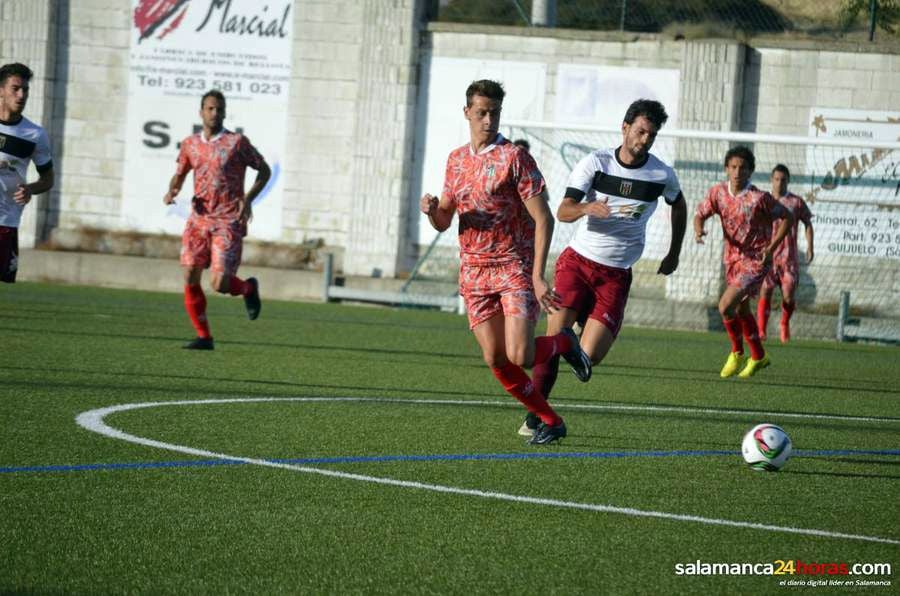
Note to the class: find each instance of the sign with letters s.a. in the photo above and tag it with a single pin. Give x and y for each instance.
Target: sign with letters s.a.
(180, 49)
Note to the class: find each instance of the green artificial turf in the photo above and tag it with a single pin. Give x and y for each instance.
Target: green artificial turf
(86, 513)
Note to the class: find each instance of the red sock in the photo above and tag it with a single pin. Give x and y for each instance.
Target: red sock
(544, 375)
(195, 305)
(548, 346)
(733, 328)
(237, 287)
(787, 309)
(517, 384)
(762, 315)
(751, 334)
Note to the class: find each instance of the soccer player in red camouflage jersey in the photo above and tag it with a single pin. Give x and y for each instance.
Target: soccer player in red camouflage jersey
(785, 271)
(747, 215)
(505, 226)
(213, 235)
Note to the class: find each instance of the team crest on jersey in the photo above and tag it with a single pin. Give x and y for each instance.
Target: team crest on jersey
(490, 171)
(625, 188)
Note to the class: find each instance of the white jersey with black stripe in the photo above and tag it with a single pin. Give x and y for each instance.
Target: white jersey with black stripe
(632, 193)
(21, 143)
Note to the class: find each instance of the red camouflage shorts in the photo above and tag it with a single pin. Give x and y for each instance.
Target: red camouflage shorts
(783, 275)
(746, 274)
(592, 289)
(492, 290)
(210, 243)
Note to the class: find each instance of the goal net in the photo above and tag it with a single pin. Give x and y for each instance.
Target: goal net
(852, 188)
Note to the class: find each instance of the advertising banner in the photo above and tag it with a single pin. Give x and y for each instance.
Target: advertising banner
(180, 49)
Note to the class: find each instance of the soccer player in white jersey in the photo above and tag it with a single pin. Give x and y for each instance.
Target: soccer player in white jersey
(613, 192)
(21, 142)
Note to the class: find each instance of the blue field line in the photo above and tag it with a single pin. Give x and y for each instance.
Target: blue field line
(426, 458)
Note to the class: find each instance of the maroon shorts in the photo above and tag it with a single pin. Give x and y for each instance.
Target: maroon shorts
(9, 254)
(591, 289)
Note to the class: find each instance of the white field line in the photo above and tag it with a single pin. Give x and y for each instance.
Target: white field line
(93, 420)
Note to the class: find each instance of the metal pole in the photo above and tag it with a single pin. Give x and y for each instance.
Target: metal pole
(873, 9)
(843, 313)
(543, 13)
(327, 275)
(622, 16)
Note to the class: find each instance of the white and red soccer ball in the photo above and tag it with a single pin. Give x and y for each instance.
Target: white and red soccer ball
(766, 447)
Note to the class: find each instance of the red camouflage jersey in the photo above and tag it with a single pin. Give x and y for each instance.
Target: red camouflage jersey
(746, 219)
(489, 190)
(786, 252)
(219, 166)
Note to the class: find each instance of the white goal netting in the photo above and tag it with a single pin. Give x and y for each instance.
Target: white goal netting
(852, 188)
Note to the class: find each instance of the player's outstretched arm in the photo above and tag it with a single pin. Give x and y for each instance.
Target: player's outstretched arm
(679, 224)
(572, 209)
(175, 185)
(699, 231)
(809, 242)
(439, 211)
(539, 211)
(263, 173)
(787, 220)
(24, 192)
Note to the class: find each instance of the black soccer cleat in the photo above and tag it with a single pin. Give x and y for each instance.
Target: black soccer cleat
(529, 427)
(199, 343)
(576, 357)
(546, 434)
(252, 301)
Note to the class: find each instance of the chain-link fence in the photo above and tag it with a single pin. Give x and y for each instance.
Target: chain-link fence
(688, 18)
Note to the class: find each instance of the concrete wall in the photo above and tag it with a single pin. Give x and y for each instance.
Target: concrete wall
(356, 69)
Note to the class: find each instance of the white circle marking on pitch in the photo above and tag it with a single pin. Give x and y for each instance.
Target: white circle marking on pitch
(93, 420)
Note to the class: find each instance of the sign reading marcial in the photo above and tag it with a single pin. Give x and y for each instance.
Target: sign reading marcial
(181, 49)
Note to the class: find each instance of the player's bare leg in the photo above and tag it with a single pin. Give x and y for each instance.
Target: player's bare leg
(228, 283)
(492, 338)
(596, 340)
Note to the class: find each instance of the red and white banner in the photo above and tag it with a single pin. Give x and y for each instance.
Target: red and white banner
(180, 49)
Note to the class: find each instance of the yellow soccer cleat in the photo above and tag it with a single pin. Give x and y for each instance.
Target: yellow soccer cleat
(753, 366)
(732, 365)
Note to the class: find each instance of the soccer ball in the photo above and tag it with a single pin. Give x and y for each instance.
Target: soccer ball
(766, 447)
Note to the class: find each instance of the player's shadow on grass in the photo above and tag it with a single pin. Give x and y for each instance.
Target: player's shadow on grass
(844, 475)
(643, 372)
(708, 413)
(214, 387)
(90, 310)
(362, 351)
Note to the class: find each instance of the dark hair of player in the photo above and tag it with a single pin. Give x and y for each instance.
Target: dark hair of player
(650, 109)
(213, 93)
(783, 169)
(742, 152)
(486, 88)
(15, 69)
